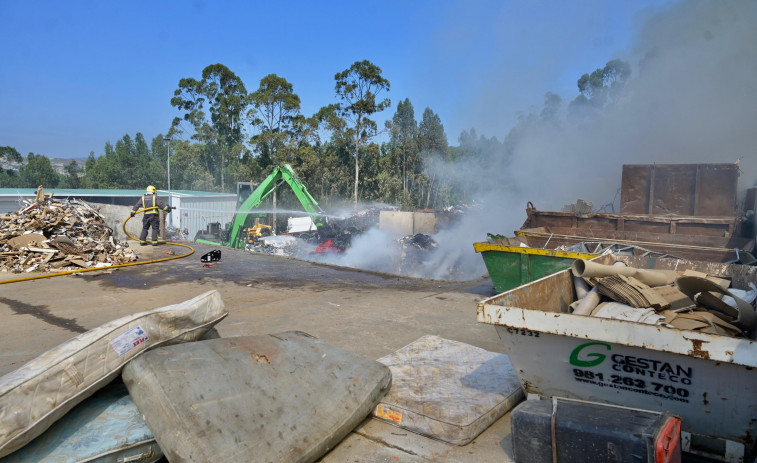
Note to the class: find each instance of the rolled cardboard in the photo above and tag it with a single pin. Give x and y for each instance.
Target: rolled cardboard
(588, 302)
(581, 286)
(587, 269)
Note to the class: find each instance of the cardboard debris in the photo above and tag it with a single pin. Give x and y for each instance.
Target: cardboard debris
(708, 294)
(58, 235)
(698, 320)
(692, 301)
(675, 298)
(630, 291)
(721, 282)
(618, 311)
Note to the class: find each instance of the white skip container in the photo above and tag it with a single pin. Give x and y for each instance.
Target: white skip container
(710, 381)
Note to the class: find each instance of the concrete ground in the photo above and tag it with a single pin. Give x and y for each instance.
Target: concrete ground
(368, 313)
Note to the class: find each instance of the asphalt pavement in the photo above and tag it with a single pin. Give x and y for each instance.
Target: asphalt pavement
(371, 314)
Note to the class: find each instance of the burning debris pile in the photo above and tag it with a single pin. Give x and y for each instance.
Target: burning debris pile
(51, 235)
(336, 235)
(358, 241)
(414, 251)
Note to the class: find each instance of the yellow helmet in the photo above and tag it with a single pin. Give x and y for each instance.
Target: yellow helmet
(151, 189)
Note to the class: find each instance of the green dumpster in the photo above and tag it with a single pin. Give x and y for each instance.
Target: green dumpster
(512, 266)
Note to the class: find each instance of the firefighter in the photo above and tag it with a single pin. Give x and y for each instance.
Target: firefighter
(151, 217)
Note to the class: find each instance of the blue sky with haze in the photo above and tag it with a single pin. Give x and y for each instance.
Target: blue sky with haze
(78, 74)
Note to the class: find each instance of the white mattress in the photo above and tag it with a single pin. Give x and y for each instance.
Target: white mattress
(43, 390)
(448, 390)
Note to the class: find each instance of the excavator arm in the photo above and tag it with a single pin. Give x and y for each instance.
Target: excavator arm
(280, 175)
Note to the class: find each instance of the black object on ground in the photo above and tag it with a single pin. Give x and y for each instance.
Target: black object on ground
(212, 256)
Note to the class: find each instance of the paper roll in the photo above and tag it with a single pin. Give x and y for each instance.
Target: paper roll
(587, 269)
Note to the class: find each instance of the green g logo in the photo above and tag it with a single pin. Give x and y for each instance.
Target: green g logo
(591, 359)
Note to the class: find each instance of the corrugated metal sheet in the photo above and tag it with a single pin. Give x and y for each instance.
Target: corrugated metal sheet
(194, 213)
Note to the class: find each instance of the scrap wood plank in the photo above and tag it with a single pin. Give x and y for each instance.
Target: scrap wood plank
(35, 249)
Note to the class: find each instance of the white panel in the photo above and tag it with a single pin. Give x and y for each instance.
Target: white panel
(195, 213)
(13, 203)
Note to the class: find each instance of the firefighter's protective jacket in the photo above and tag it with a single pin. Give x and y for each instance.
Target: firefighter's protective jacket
(150, 200)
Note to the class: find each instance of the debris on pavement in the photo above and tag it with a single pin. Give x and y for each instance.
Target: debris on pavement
(334, 235)
(414, 248)
(53, 235)
(281, 245)
(341, 232)
(212, 256)
(335, 241)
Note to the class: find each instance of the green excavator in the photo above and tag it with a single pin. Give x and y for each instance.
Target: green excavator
(242, 219)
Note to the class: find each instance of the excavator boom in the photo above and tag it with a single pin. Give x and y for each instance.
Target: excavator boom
(281, 174)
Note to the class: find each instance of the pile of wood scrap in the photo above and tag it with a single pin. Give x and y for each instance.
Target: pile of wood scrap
(58, 235)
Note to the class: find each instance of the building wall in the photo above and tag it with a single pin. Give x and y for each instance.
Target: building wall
(193, 214)
(115, 217)
(10, 204)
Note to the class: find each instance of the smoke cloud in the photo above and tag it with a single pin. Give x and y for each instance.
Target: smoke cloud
(691, 98)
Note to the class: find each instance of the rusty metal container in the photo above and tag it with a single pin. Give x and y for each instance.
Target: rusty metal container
(701, 190)
(710, 381)
(684, 210)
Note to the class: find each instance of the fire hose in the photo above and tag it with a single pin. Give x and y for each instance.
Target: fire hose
(129, 264)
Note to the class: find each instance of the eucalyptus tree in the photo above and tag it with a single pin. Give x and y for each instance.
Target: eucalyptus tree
(223, 95)
(128, 164)
(303, 151)
(272, 109)
(333, 153)
(602, 87)
(359, 87)
(404, 144)
(432, 142)
(128, 158)
(104, 171)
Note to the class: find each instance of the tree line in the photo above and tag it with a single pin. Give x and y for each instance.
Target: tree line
(225, 134)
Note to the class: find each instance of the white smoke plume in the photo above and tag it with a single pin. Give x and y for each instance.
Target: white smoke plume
(691, 98)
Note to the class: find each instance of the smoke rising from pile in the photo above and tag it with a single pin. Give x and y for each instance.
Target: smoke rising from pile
(691, 98)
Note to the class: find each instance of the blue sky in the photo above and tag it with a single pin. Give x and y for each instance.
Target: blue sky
(78, 74)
